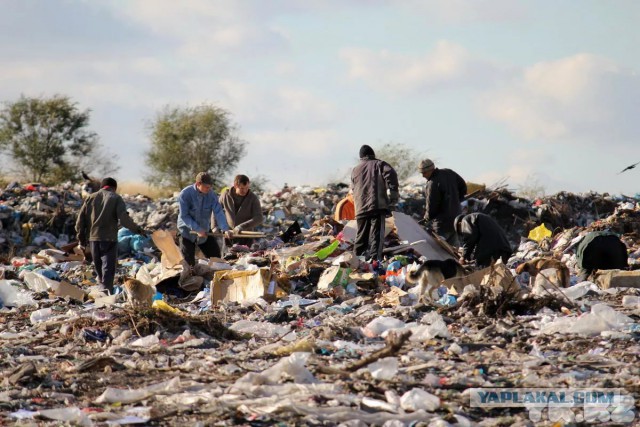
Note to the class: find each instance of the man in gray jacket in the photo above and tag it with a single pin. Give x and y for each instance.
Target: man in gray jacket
(241, 207)
(444, 192)
(371, 179)
(483, 240)
(97, 225)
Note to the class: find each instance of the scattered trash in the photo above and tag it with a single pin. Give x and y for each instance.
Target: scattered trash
(296, 329)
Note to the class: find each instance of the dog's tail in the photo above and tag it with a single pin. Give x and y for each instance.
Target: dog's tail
(414, 276)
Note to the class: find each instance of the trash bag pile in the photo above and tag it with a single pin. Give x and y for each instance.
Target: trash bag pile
(297, 330)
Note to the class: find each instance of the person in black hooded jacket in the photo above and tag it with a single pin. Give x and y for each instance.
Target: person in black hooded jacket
(483, 240)
(370, 180)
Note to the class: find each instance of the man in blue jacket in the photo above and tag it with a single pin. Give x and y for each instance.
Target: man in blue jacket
(197, 202)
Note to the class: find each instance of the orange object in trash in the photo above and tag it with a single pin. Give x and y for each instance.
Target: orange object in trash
(345, 209)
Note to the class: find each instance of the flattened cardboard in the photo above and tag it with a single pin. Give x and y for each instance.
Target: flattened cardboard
(237, 286)
(171, 255)
(501, 277)
(617, 279)
(408, 229)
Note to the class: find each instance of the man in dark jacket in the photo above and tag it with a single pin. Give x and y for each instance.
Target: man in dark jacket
(241, 208)
(482, 239)
(97, 225)
(600, 250)
(370, 180)
(444, 192)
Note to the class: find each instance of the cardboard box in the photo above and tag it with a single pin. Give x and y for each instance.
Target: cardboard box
(65, 289)
(237, 286)
(617, 279)
(334, 276)
(501, 277)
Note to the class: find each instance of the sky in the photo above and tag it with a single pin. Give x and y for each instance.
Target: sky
(540, 92)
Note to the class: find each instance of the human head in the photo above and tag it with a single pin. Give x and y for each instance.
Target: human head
(204, 182)
(366, 151)
(426, 167)
(109, 182)
(242, 184)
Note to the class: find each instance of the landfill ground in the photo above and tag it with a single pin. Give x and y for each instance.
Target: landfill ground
(318, 337)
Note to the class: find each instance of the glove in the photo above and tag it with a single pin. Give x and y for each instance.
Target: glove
(228, 234)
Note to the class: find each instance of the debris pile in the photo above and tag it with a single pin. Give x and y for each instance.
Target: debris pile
(296, 329)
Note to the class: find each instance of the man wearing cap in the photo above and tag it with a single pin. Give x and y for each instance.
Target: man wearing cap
(444, 192)
(370, 180)
(196, 203)
(97, 225)
(483, 240)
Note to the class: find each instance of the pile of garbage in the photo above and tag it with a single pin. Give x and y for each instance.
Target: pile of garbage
(299, 331)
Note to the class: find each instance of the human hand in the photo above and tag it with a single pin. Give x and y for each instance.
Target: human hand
(228, 234)
(202, 234)
(237, 229)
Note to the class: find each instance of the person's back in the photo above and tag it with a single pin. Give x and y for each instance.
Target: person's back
(444, 196)
(444, 192)
(102, 211)
(97, 225)
(370, 180)
(482, 238)
(600, 250)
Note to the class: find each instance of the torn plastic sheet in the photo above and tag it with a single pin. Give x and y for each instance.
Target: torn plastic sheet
(190, 398)
(117, 395)
(345, 414)
(261, 329)
(135, 415)
(73, 415)
(293, 366)
(281, 390)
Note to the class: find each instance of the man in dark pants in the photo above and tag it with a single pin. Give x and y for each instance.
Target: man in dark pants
(483, 240)
(97, 224)
(600, 250)
(196, 203)
(371, 179)
(444, 192)
(242, 208)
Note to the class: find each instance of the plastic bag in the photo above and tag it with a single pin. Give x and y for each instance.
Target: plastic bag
(12, 295)
(384, 369)
(539, 233)
(416, 399)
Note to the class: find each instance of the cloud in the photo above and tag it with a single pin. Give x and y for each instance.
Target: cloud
(283, 107)
(447, 65)
(467, 11)
(129, 83)
(579, 98)
(296, 156)
(206, 28)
